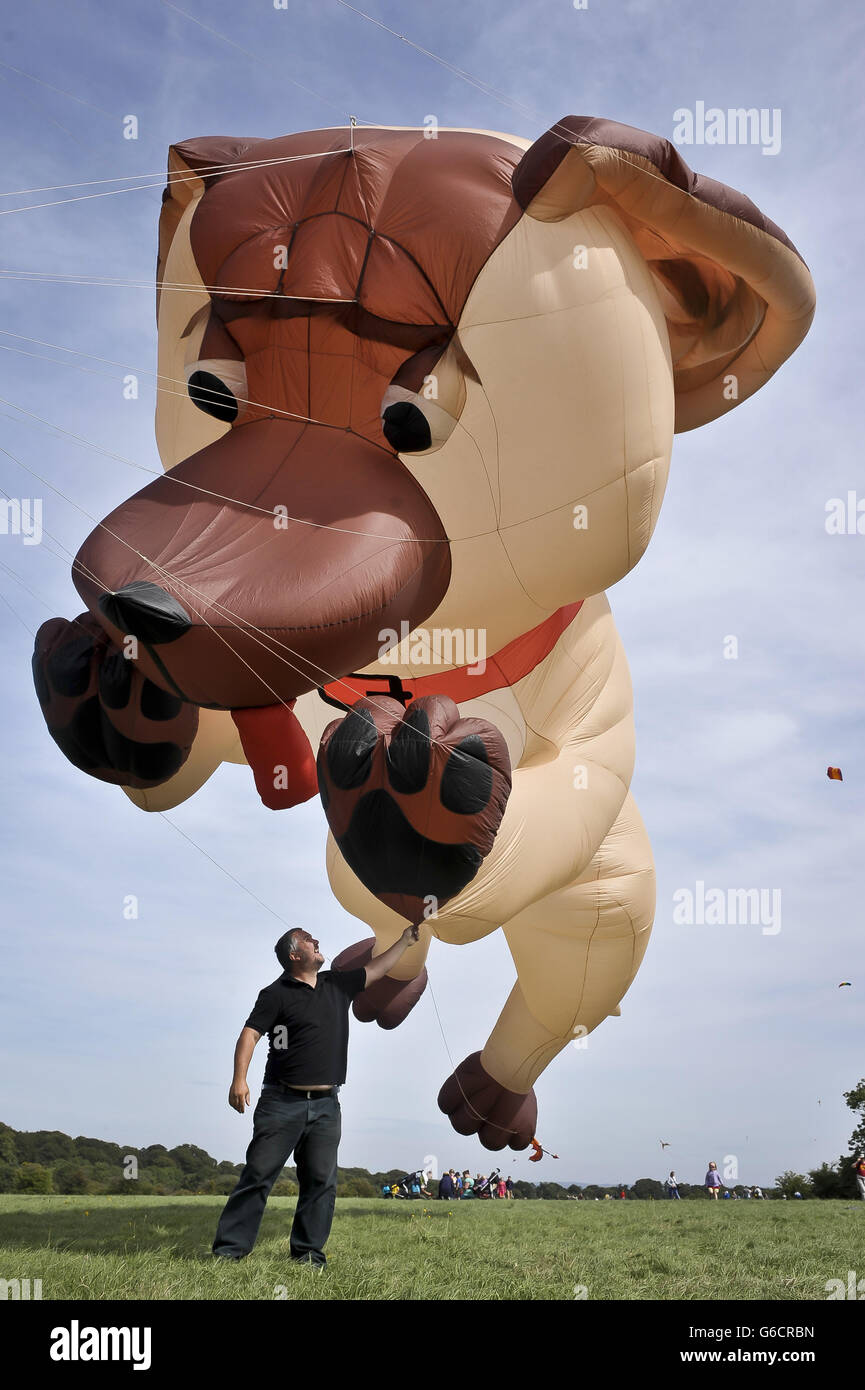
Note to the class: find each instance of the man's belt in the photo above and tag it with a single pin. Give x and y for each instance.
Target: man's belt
(308, 1095)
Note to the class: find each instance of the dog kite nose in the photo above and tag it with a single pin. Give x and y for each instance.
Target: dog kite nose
(146, 611)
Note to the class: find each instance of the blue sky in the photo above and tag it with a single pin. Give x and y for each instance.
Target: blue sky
(729, 1037)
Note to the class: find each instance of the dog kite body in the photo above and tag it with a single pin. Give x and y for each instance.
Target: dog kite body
(431, 391)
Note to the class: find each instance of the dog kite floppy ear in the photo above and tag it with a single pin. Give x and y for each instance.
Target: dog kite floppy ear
(737, 296)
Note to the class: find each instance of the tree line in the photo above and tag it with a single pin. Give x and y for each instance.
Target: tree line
(46, 1161)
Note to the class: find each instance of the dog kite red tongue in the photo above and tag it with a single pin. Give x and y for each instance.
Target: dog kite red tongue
(279, 754)
(414, 798)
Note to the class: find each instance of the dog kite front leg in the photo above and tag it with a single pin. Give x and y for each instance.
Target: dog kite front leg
(576, 953)
(389, 1000)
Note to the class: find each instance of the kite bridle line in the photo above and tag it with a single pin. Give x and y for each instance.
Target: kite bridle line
(162, 177)
(159, 181)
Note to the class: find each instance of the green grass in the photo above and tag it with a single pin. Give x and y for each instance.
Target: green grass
(158, 1248)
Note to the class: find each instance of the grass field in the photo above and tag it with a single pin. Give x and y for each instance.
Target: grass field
(158, 1248)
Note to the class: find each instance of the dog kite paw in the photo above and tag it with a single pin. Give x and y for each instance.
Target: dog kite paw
(385, 1002)
(414, 798)
(476, 1104)
(108, 719)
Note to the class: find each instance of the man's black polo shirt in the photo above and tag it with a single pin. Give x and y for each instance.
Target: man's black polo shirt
(307, 1027)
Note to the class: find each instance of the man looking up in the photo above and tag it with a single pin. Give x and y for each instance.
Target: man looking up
(305, 1015)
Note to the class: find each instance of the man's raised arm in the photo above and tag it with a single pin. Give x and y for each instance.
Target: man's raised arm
(380, 965)
(238, 1096)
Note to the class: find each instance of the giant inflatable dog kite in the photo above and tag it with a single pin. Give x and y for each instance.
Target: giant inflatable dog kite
(418, 402)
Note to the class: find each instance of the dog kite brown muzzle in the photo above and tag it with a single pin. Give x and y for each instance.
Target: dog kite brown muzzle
(241, 581)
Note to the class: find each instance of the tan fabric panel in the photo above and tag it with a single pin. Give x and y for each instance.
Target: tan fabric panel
(181, 428)
(575, 369)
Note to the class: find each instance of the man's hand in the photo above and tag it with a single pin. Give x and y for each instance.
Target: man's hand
(238, 1096)
(380, 965)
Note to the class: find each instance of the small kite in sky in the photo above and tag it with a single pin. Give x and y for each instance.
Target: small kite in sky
(664, 1144)
(848, 983)
(834, 774)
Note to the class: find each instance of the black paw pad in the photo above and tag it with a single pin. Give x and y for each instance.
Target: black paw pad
(414, 798)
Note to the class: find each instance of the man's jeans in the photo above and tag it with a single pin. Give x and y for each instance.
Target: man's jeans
(283, 1123)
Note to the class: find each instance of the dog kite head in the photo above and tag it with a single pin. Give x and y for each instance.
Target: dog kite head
(410, 378)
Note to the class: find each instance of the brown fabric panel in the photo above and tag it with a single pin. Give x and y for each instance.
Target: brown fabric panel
(395, 288)
(450, 205)
(252, 268)
(313, 340)
(281, 377)
(315, 367)
(326, 258)
(364, 180)
(454, 191)
(218, 342)
(215, 151)
(547, 153)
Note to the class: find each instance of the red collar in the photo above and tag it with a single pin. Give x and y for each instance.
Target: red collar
(273, 739)
(508, 666)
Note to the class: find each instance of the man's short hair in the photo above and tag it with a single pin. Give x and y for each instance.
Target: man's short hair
(285, 946)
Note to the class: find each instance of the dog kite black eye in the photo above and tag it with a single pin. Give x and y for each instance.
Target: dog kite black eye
(406, 427)
(413, 422)
(217, 386)
(212, 396)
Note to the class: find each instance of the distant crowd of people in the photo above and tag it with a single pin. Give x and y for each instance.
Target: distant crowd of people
(455, 1186)
(452, 1186)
